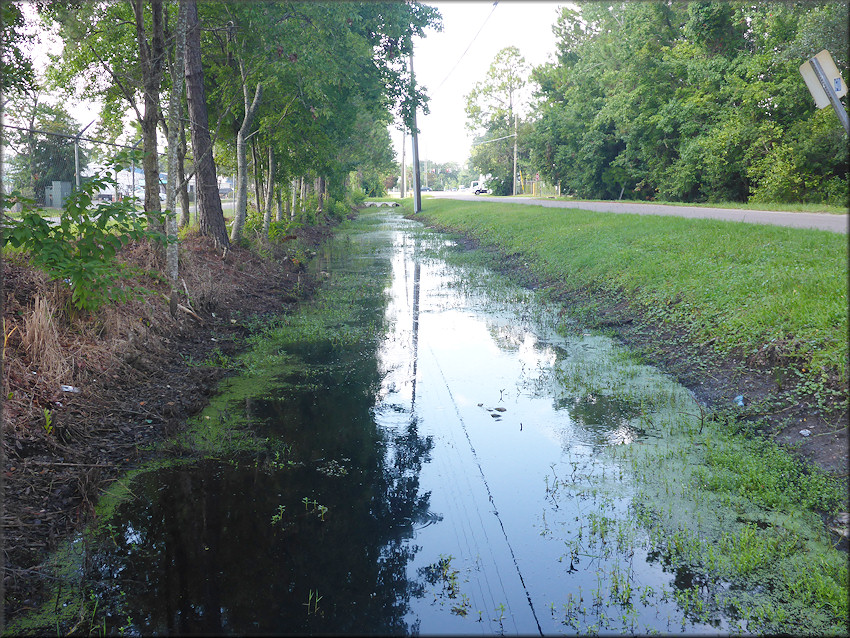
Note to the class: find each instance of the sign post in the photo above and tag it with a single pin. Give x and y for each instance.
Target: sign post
(826, 84)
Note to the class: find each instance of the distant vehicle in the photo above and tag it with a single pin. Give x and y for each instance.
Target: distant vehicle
(425, 188)
(478, 187)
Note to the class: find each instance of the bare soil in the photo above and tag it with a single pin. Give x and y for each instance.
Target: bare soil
(135, 376)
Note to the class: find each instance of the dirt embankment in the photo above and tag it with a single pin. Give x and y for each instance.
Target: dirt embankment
(84, 394)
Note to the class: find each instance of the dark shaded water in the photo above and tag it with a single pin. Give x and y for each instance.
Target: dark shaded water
(452, 475)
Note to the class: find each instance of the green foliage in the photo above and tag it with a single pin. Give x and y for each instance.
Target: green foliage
(699, 101)
(80, 249)
(337, 209)
(15, 67)
(491, 108)
(357, 196)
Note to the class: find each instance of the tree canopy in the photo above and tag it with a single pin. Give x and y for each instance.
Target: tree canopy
(699, 101)
(328, 78)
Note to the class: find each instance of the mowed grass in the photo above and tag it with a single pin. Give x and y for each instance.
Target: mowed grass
(743, 288)
(782, 207)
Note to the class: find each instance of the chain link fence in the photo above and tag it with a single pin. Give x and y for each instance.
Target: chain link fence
(46, 166)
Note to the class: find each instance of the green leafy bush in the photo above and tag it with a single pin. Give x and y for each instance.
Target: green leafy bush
(81, 248)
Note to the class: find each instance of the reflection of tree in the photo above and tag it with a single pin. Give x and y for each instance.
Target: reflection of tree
(196, 552)
(608, 418)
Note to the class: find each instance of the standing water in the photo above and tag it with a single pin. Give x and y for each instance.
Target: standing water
(443, 456)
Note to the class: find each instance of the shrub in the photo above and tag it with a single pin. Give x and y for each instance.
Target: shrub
(81, 248)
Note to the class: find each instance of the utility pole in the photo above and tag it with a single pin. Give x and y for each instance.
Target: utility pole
(417, 194)
(516, 119)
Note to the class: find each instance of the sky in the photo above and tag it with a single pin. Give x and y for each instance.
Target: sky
(447, 64)
(526, 25)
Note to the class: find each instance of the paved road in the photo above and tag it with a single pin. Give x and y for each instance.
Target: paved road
(821, 221)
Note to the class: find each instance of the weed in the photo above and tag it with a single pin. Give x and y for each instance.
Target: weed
(48, 421)
(312, 603)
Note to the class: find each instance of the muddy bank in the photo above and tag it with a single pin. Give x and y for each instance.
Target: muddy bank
(132, 374)
(763, 382)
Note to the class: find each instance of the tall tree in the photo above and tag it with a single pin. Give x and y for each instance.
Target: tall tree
(175, 127)
(151, 44)
(210, 214)
(491, 109)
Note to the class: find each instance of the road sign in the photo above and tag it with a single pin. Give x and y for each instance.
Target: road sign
(826, 84)
(832, 75)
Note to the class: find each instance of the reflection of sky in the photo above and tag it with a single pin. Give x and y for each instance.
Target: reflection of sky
(475, 350)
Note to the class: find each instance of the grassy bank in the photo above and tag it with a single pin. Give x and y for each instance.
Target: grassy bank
(748, 290)
(780, 207)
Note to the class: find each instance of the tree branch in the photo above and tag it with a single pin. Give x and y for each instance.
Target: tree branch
(124, 89)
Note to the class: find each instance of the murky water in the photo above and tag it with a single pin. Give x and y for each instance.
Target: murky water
(451, 465)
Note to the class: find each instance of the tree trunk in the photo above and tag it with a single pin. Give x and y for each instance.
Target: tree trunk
(290, 201)
(210, 215)
(258, 176)
(279, 217)
(175, 103)
(320, 190)
(181, 175)
(267, 218)
(242, 160)
(151, 57)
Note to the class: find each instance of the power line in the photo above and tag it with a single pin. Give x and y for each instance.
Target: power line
(467, 48)
(495, 139)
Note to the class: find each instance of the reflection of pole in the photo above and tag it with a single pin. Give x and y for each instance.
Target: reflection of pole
(415, 325)
(403, 166)
(417, 194)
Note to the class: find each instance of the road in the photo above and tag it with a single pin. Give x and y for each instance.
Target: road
(820, 221)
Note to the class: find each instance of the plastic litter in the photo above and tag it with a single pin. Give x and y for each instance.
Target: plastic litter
(69, 388)
(739, 400)
(805, 432)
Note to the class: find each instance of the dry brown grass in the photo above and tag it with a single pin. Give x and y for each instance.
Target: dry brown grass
(40, 340)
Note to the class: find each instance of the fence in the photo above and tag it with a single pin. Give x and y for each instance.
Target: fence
(46, 166)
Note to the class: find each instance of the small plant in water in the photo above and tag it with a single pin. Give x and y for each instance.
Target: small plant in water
(312, 603)
(278, 517)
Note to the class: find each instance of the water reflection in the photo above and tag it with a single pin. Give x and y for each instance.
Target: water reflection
(441, 482)
(609, 419)
(246, 548)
